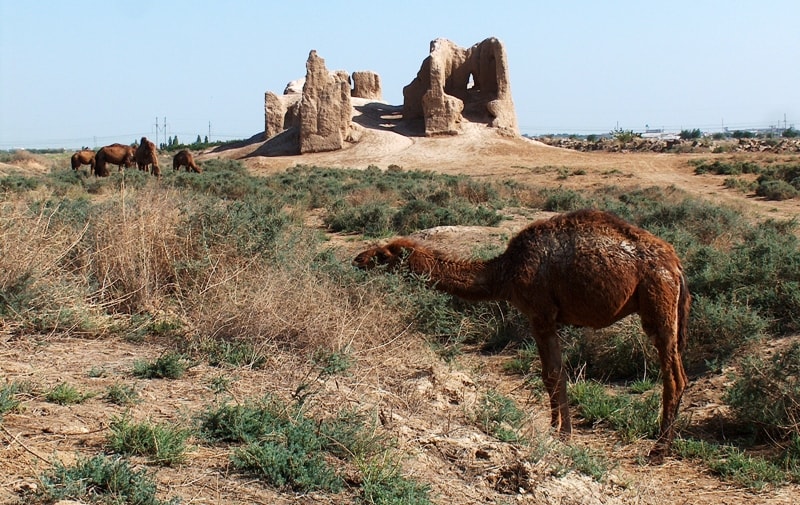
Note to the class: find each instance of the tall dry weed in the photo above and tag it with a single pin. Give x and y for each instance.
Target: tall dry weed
(136, 244)
(33, 281)
(290, 305)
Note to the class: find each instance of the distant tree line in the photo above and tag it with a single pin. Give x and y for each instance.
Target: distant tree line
(173, 144)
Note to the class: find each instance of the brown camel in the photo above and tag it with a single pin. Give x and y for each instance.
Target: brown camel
(83, 157)
(146, 154)
(117, 154)
(184, 158)
(584, 268)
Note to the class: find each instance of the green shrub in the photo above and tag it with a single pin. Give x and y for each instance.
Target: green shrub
(383, 484)
(720, 167)
(170, 365)
(420, 214)
(162, 444)
(97, 479)
(19, 183)
(498, 416)
(372, 219)
(9, 400)
(764, 395)
(122, 394)
(631, 416)
(589, 462)
(622, 135)
(563, 200)
(776, 190)
(282, 445)
(720, 327)
(332, 362)
(66, 394)
(235, 353)
(619, 352)
(732, 464)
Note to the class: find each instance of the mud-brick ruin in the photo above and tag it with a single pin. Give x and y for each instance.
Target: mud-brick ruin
(454, 85)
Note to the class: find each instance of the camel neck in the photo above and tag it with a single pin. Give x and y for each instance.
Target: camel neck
(467, 279)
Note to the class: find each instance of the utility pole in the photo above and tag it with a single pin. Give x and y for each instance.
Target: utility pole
(209, 131)
(165, 131)
(156, 130)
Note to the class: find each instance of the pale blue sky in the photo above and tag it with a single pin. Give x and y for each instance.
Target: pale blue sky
(81, 72)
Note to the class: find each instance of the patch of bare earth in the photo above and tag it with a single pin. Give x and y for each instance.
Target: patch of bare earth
(416, 397)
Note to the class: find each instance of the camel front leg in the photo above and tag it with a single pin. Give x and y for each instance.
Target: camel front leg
(555, 380)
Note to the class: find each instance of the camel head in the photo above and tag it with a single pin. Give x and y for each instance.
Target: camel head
(390, 255)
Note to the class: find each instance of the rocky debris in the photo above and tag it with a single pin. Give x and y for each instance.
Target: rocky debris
(783, 145)
(454, 83)
(367, 85)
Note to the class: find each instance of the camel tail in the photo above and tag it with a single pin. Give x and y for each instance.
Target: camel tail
(684, 303)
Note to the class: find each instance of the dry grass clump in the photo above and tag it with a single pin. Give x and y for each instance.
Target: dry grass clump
(136, 244)
(291, 305)
(34, 285)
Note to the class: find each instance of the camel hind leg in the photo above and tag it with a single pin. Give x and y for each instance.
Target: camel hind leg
(554, 377)
(662, 327)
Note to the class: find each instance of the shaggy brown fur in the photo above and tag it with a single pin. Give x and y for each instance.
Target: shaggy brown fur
(146, 154)
(185, 159)
(584, 268)
(83, 157)
(117, 154)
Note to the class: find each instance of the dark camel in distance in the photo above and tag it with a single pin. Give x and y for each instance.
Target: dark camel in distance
(146, 154)
(185, 158)
(584, 268)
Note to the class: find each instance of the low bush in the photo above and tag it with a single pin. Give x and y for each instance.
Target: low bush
(66, 394)
(162, 444)
(100, 479)
(732, 464)
(776, 190)
(499, 416)
(765, 395)
(170, 365)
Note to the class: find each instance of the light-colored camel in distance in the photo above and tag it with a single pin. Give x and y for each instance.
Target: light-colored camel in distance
(83, 157)
(584, 268)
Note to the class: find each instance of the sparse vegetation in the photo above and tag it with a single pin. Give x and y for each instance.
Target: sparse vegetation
(170, 365)
(9, 401)
(220, 269)
(498, 416)
(160, 443)
(99, 479)
(122, 394)
(66, 394)
(766, 394)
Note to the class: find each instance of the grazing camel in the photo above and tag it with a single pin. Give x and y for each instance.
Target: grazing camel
(185, 158)
(145, 155)
(584, 268)
(117, 154)
(83, 157)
